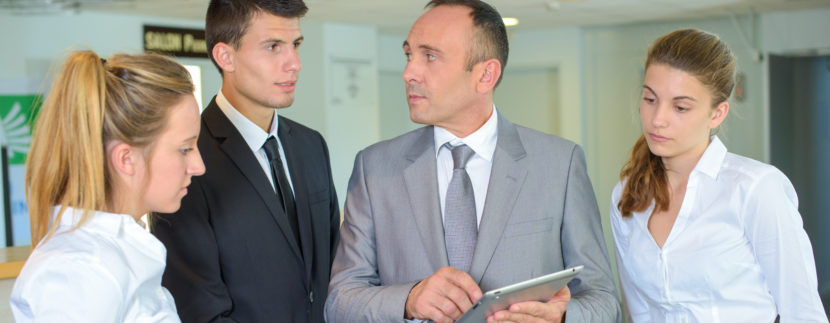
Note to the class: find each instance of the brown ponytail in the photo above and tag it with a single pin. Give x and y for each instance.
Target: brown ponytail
(646, 181)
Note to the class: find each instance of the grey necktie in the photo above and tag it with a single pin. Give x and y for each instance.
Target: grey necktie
(460, 225)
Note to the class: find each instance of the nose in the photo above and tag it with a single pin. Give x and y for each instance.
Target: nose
(660, 117)
(411, 73)
(292, 63)
(196, 167)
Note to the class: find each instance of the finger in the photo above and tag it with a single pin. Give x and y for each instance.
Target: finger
(535, 309)
(437, 315)
(507, 316)
(447, 306)
(458, 296)
(563, 295)
(466, 283)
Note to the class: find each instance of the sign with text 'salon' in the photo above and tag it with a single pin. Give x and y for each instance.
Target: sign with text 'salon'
(179, 42)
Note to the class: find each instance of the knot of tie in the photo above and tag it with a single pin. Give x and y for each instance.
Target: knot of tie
(271, 148)
(461, 154)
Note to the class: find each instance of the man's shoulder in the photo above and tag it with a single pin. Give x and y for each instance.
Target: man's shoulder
(298, 128)
(399, 145)
(534, 140)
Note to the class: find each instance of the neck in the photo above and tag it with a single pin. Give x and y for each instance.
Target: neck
(470, 120)
(678, 168)
(258, 114)
(121, 202)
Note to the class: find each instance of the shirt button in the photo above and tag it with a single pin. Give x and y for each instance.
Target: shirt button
(311, 296)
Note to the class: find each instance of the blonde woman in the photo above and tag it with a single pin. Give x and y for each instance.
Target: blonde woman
(114, 140)
(701, 234)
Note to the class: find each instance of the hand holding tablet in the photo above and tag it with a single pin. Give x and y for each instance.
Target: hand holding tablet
(536, 289)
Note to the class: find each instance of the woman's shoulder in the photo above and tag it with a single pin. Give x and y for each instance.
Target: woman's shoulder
(617, 191)
(616, 195)
(66, 282)
(78, 252)
(743, 170)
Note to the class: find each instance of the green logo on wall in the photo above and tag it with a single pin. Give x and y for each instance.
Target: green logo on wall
(15, 134)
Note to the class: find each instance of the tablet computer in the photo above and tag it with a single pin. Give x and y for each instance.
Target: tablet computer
(534, 289)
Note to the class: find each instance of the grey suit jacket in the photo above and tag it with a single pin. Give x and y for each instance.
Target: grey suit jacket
(540, 217)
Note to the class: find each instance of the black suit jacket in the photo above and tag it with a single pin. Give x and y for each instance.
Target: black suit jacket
(231, 255)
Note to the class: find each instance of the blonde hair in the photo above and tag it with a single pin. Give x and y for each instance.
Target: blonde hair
(92, 102)
(709, 59)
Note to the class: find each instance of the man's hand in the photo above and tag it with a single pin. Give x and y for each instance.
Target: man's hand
(442, 297)
(551, 311)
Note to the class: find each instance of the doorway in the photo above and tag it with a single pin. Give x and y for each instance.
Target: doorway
(800, 146)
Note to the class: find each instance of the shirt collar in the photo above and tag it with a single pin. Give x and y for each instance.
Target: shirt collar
(712, 160)
(254, 135)
(104, 222)
(482, 141)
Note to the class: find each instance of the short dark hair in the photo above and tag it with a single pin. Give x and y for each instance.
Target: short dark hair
(490, 38)
(227, 20)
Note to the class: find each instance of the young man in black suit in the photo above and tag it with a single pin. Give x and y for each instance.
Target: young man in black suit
(255, 237)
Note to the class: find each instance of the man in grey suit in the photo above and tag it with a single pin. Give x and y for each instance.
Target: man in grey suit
(470, 202)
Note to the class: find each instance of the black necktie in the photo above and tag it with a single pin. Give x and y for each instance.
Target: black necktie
(281, 184)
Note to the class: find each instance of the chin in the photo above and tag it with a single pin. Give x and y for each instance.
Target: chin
(657, 150)
(171, 208)
(282, 103)
(417, 117)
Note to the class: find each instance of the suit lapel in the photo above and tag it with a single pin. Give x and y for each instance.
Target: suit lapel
(422, 189)
(295, 167)
(506, 179)
(237, 150)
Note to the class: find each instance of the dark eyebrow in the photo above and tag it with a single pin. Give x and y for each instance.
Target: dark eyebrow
(682, 97)
(649, 89)
(272, 40)
(430, 48)
(425, 47)
(280, 41)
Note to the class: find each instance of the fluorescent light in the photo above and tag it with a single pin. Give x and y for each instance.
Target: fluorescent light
(510, 21)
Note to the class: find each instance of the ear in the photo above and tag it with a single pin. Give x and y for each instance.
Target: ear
(122, 157)
(488, 72)
(719, 114)
(223, 54)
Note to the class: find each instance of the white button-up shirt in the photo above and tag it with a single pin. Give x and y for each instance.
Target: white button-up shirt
(108, 270)
(483, 142)
(737, 251)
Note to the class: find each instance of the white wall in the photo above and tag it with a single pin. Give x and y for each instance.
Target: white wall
(560, 49)
(394, 111)
(351, 90)
(795, 31)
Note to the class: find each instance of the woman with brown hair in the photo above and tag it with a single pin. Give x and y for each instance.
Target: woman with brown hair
(115, 139)
(701, 234)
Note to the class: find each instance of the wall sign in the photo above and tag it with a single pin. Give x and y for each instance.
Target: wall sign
(179, 42)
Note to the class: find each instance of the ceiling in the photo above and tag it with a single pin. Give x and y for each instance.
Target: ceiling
(398, 15)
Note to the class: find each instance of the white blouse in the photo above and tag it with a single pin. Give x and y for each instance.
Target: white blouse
(737, 251)
(108, 270)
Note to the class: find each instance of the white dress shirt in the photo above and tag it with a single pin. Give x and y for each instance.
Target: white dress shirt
(737, 251)
(483, 143)
(255, 137)
(108, 270)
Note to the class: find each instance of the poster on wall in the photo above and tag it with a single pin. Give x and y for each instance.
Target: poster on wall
(16, 111)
